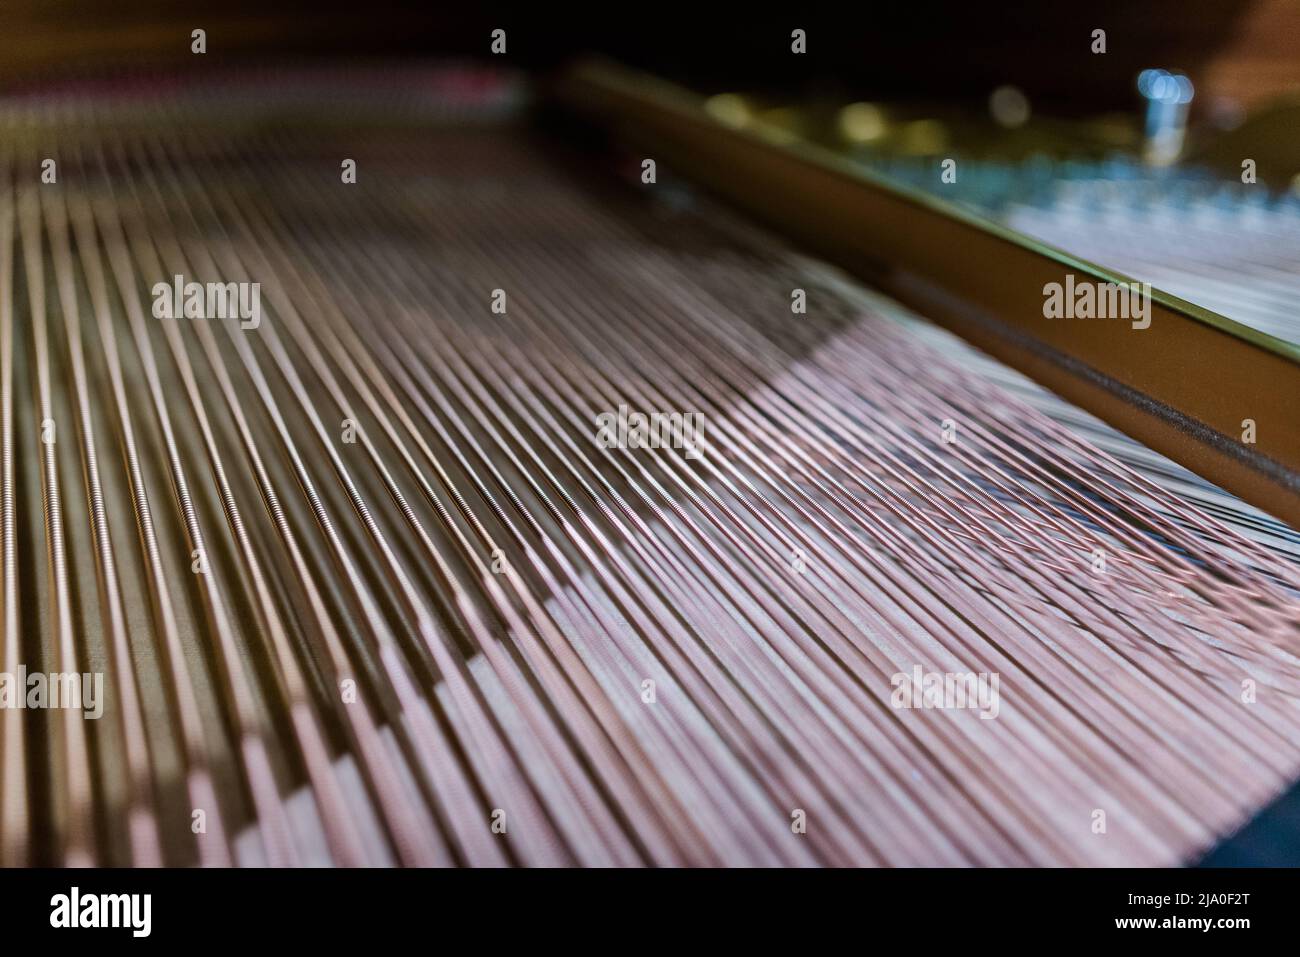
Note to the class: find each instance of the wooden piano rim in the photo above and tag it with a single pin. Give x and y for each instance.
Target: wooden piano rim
(1183, 386)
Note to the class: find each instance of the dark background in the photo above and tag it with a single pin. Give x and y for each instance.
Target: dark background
(1243, 50)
